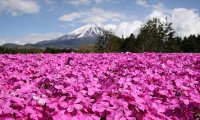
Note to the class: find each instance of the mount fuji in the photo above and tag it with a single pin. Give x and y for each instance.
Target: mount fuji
(89, 30)
(85, 35)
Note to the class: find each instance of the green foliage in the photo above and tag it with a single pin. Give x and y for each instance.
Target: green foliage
(58, 50)
(191, 44)
(157, 36)
(154, 36)
(102, 42)
(173, 45)
(108, 43)
(4, 50)
(198, 43)
(129, 44)
(19, 50)
(114, 44)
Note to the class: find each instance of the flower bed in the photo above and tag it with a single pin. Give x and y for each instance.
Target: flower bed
(149, 86)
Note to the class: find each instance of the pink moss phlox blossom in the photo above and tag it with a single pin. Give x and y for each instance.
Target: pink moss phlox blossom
(111, 86)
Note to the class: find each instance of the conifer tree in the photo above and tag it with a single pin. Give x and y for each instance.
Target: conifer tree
(153, 36)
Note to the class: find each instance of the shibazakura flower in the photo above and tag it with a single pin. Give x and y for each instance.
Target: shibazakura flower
(111, 86)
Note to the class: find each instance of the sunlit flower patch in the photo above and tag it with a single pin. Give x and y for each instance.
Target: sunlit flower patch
(148, 86)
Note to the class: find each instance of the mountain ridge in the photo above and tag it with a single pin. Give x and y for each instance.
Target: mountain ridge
(87, 34)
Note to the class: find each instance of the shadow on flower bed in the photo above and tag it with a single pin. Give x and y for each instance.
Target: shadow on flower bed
(185, 112)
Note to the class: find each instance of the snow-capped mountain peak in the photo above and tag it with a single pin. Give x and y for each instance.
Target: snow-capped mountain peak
(88, 30)
(86, 35)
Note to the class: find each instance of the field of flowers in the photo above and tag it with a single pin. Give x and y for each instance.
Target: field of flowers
(148, 86)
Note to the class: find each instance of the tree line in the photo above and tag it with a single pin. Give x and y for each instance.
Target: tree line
(4, 50)
(154, 36)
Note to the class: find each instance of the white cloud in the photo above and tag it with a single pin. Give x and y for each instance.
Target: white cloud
(84, 2)
(17, 7)
(124, 28)
(157, 6)
(185, 21)
(158, 14)
(110, 27)
(29, 38)
(142, 3)
(78, 2)
(94, 15)
(70, 17)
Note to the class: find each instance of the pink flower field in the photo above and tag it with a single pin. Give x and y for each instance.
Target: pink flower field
(147, 86)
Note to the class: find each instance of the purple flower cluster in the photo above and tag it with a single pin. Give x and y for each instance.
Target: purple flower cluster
(148, 86)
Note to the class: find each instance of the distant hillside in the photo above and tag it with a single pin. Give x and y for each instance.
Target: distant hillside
(85, 35)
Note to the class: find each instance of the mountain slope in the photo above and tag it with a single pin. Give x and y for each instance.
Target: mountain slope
(87, 34)
(85, 31)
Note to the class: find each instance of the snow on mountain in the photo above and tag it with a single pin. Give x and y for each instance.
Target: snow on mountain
(85, 35)
(88, 30)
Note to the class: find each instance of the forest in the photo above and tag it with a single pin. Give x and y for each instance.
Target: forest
(154, 36)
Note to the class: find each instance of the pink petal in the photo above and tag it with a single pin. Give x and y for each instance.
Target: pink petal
(78, 100)
(70, 109)
(100, 108)
(63, 104)
(53, 105)
(62, 98)
(90, 92)
(59, 87)
(29, 110)
(78, 106)
(186, 101)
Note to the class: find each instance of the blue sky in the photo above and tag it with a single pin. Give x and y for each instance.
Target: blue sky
(30, 21)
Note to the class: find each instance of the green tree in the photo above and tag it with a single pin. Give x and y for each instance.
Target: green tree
(102, 42)
(153, 36)
(2, 49)
(198, 42)
(108, 42)
(58, 50)
(114, 44)
(129, 44)
(190, 44)
(173, 45)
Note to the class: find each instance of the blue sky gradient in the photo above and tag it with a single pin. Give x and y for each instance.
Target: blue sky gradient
(30, 21)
